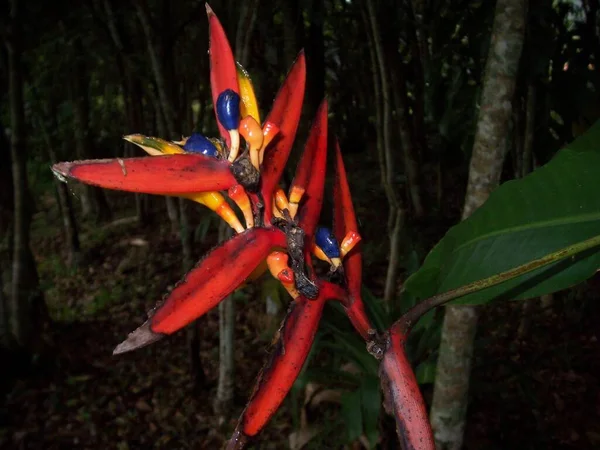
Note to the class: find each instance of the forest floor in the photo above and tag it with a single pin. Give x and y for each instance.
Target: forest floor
(537, 391)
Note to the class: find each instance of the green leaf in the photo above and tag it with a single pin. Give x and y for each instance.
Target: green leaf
(352, 414)
(425, 372)
(371, 408)
(554, 207)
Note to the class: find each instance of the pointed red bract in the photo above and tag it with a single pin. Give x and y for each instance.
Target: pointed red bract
(285, 113)
(344, 220)
(311, 170)
(222, 271)
(223, 74)
(297, 335)
(163, 175)
(403, 396)
(277, 377)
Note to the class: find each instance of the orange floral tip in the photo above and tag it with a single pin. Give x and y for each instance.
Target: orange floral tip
(296, 194)
(336, 262)
(217, 203)
(278, 266)
(350, 240)
(238, 194)
(252, 133)
(286, 277)
(277, 261)
(276, 211)
(152, 145)
(281, 200)
(319, 253)
(269, 130)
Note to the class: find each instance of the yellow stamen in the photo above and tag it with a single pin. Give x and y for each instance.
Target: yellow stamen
(278, 266)
(350, 240)
(238, 194)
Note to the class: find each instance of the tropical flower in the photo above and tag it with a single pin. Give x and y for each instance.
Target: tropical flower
(279, 232)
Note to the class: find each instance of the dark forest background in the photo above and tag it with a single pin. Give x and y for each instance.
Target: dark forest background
(80, 266)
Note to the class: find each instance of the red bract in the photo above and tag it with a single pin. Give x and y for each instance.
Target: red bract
(223, 74)
(403, 397)
(279, 229)
(286, 115)
(178, 174)
(221, 272)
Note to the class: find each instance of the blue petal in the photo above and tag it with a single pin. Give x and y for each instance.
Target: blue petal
(325, 239)
(197, 143)
(228, 109)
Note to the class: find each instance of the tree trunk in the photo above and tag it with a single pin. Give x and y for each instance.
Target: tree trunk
(386, 157)
(293, 30)
(411, 164)
(449, 406)
(315, 57)
(96, 200)
(165, 93)
(526, 165)
(225, 389)
(244, 30)
(64, 200)
(26, 299)
(165, 111)
(6, 219)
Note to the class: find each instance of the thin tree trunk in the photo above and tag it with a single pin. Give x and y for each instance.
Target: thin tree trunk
(315, 56)
(170, 202)
(5, 336)
(96, 198)
(396, 209)
(448, 411)
(165, 111)
(26, 299)
(225, 390)
(244, 30)
(159, 71)
(64, 201)
(526, 164)
(293, 30)
(411, 164)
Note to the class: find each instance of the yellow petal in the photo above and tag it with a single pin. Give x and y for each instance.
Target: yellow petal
(153, 145)
(249, 105)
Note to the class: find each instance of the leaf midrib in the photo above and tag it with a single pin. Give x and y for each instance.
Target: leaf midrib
(590, 217)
